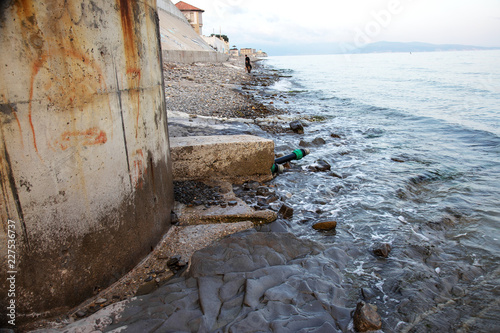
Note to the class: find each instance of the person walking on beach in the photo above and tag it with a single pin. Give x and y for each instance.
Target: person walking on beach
(248, 66)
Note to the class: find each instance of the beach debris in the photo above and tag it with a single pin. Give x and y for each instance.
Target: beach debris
(366, 318)
(325, 226)
(297, 154)
(382, 250)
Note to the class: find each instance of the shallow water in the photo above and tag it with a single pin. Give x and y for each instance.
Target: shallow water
(417, 165)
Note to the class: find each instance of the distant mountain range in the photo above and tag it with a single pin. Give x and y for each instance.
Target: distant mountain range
(380, 47)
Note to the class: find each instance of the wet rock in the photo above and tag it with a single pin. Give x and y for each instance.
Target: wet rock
(232, 203)
(382, 250)
(319, 141)
(146, 288)
(336, 175)
(285, 211)
(263, 191)
(303, 143)
(272, 198)
(366, 318)
(397, 159)
(320, 166)
(252, 185)
(367, 293)
(335, 136)
(325, 226)
(297, 127)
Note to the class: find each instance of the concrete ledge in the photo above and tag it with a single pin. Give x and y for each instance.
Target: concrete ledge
(236, 158)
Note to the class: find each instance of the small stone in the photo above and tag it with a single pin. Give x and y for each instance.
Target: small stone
(173, 260)
(80, 313)
(262, 191)
(303, 143)
(367, 293)
(397, 159)
(366, 318)
(252, 185)
(382, 250)
(325, 226)
(320, 166)
(319, 141)
(232, 203)
(101, 301)
(285, 211)
(297, 127)
(146, 288)
(335, 136)
(149, 278)
(272, 198)
(223, 204)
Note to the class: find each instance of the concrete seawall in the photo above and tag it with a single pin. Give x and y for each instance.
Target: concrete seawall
(84, 157)
(179, 42)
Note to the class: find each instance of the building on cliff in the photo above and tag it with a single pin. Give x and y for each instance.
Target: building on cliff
(218, 44)
(193, 14)
(179, 41)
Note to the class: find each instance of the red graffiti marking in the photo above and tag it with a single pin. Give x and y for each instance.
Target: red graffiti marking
(89, 137)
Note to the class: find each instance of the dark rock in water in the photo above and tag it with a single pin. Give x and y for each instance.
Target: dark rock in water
(320, 166)
(272, 198)
(263, 191)
(335, 136)
(337, 175)
(252, 185)
(286, 212)
(382, 250)
(325, 226)
(366, 318)
(319, 141)
(367, 293)
(397, 159)
(303, 143)
(297, 127)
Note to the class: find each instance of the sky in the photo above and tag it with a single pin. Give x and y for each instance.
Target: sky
(285, 27)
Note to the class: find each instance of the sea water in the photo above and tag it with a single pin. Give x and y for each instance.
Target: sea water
(413, 140)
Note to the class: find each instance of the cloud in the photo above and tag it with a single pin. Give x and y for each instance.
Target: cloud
(260, 23)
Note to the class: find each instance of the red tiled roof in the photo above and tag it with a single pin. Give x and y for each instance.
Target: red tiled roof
(181, 5)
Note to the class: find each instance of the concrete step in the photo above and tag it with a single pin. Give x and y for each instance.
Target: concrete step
(235, 158)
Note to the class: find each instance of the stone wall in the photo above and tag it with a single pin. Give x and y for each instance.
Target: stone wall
(84, 154)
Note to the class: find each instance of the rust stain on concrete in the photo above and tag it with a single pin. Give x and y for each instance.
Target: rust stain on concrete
(89, 137)
(132, 59)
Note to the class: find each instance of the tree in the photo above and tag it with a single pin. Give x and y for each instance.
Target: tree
(224, 37)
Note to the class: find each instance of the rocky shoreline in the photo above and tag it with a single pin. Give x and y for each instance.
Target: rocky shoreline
(212, 278)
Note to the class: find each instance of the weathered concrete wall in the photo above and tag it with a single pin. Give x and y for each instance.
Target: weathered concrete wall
(236, 158)
(84, 154)
(179, 42)
(189, 57)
